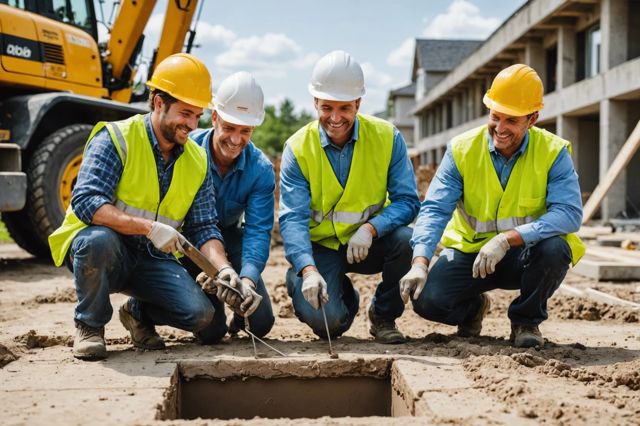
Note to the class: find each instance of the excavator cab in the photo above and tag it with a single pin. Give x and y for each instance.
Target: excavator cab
(56, 82)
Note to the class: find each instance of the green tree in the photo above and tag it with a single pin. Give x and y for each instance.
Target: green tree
(279, 124)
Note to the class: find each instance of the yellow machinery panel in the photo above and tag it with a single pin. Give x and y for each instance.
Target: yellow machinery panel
(20, 51)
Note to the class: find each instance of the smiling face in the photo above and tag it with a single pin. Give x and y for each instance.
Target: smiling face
(337, 118)
(175, 120)
(508, 131)
(228, 140)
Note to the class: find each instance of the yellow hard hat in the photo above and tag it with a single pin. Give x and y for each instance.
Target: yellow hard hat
(184, 77)
(516, 90)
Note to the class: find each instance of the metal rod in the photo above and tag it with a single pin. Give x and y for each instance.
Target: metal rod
(326, 326)
(263, 342)
(253, 339)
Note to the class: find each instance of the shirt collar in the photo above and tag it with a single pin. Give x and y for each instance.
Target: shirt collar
(324, 138)
(238, 164)
(523, 146)
(177, 149)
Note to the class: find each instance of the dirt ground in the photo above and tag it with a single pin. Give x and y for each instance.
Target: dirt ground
(587, 373)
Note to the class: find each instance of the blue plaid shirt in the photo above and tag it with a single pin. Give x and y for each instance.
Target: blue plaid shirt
(100, 173)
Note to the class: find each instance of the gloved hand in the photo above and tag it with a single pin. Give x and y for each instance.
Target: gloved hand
(489, 255)
(207, 283)
(245, 304)
(358, 246)
(314, 287)
(165, 238)
(413, 282)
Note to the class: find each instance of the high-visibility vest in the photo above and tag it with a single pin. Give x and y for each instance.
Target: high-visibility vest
(138, 191)
(337, 212)
(486, 208)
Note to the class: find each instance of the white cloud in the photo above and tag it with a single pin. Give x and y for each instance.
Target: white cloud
(269, 55)
(403, 55)
(461, 20)
(207, 33)
(374, 77)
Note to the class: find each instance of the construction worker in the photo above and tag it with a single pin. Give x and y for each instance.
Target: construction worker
(347, 192)
(142, 179)
(515, 199)
(244, 182)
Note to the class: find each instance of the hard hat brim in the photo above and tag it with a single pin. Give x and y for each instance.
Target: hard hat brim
(334, 96)
(190, 101)
(504, 109)
(240, 120)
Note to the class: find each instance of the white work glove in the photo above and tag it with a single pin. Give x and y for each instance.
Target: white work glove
(165, 238)
(359, 243)
(314, 288)
(489, 255)
(413, 282)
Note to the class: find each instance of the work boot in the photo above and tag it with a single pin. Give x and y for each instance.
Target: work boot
(89, 342)
(383, 330)
(142, 335)
(473, 327)
(526, 336)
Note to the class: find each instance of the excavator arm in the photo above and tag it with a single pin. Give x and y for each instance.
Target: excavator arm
(126, 39)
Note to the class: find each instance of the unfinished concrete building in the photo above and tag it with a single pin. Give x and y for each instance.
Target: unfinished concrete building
(587, 53)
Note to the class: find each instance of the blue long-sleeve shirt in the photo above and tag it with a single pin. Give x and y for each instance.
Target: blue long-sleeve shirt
(564, 204)
(100, 173)
(247, 188)
(295, 194)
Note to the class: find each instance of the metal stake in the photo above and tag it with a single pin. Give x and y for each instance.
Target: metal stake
(253, 336)
(326, 326)
(253, 339)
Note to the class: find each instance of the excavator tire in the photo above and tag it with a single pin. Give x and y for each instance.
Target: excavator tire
(51, 176)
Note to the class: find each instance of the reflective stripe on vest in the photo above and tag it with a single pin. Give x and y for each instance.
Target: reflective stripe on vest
(337, 211)
(348, 217)
(135, 211)
(497, 225)
(486, 208)
(138, 189)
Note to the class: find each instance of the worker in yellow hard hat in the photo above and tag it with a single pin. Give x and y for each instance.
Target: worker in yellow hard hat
(141, 182)
(504, 203)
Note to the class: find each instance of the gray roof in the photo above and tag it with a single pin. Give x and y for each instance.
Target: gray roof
(408, 90)
(441, 55)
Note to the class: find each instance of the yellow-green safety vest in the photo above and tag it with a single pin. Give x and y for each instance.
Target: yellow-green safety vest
(337, 212)
(138, 191)
(485, 208)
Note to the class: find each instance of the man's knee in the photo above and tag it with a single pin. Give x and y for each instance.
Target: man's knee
(97, 245)
(261, 326)
(199, 316)
(554, 252)
(431, 305)
(400, 241)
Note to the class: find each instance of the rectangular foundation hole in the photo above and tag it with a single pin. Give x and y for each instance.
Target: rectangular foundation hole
(288, 397)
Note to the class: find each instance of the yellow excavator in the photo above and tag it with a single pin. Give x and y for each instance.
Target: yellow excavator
(56, 82)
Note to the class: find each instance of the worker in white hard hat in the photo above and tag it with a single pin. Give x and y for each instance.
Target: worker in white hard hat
(244, 183)
(505, 204)
(348, 193)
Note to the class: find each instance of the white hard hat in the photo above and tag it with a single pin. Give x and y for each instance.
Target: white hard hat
(337, 77)
(239, 100)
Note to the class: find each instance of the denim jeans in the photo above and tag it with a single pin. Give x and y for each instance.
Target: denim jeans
(390, 255)
(260, 322)
(162, 292)
(452, 296)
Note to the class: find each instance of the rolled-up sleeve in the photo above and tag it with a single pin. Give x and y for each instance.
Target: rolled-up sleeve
(295, 212)
(258, 223)
(201, 222)
(98, 177)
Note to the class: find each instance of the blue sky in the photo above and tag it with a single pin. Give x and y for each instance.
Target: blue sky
(278, 41)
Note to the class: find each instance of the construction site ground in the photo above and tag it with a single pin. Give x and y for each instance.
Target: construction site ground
(587, 373)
